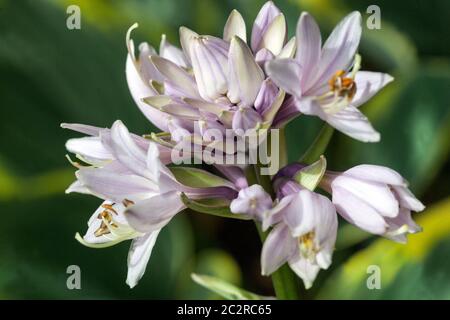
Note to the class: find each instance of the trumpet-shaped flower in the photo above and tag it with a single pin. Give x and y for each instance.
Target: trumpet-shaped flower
(140, 193)
(326, 81)
(303, 236)
(374, 198)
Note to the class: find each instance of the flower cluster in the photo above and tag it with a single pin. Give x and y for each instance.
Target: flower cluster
(233, 85)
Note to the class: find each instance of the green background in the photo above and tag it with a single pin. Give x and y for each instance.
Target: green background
(50, 74)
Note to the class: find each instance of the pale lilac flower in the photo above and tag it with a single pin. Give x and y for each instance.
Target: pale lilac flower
(374, 198)
(252, 201)
(218, 82)
(140, 193)
(303, 236)
(326, 81)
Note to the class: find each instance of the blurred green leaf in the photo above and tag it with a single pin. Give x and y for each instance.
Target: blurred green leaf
(411, 271)
(224, 289)
(37, 245)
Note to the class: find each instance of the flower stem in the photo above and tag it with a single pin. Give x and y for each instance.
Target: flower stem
(319, 145)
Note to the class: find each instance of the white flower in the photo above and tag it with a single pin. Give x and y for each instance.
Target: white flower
(326, 81)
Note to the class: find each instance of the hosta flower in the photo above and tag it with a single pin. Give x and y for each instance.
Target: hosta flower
(141, 195)
(374, 198)
(253, 201)
(325, 81)
(212, 82)
(303, 236)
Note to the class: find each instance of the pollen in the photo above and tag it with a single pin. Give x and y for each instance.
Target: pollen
(307, 245)
(107, 220)
(342, 86)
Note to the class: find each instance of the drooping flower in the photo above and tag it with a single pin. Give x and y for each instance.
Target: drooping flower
(141, 195)
(252, 201)
(304, 234)
(374, 198)
(326, 81)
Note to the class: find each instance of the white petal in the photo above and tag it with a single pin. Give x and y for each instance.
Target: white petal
(176, 76)
(139, 89)
(407, 199)
(265, 16)
(82, 128)
(275, 35)
(172, 53)
(147, 70)
(340, 48)
(110, 185)
(155, 212)
(300, 216)
(245, 76)
(185, 37)
(89, 147)
(358, 212)
(285, 73)
(235, 26)
(354, 124)
(277, 248)
(138, 256)
(309, 45)
(368, 84)
(288, 49)
(377, 174)
(378, 195)
(210, 65)
(306, 270)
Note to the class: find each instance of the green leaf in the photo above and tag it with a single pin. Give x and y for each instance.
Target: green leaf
(197, 178)
(215, 207)
(310, 176)
(225, 289)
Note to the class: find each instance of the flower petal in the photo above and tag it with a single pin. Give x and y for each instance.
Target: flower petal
(309, 46)
(285, 73)
(139, 89)
(277, 249)
(107, 184)
(275, 35)
(358, 212)
(340, 48)
(265, 16)
(353, 123)
(244, 74)
(176, 76)
(377, 174)
(235, 26)
(90, 148)
(378, 195)
(210, 65)
(172, 53)
(407, 199)
(185, 37)
(155, 212)
(368, 84)
(138, 256)
(266, 96)
(306, 270)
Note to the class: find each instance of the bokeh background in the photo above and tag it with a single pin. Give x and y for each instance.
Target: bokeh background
(49, 75)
